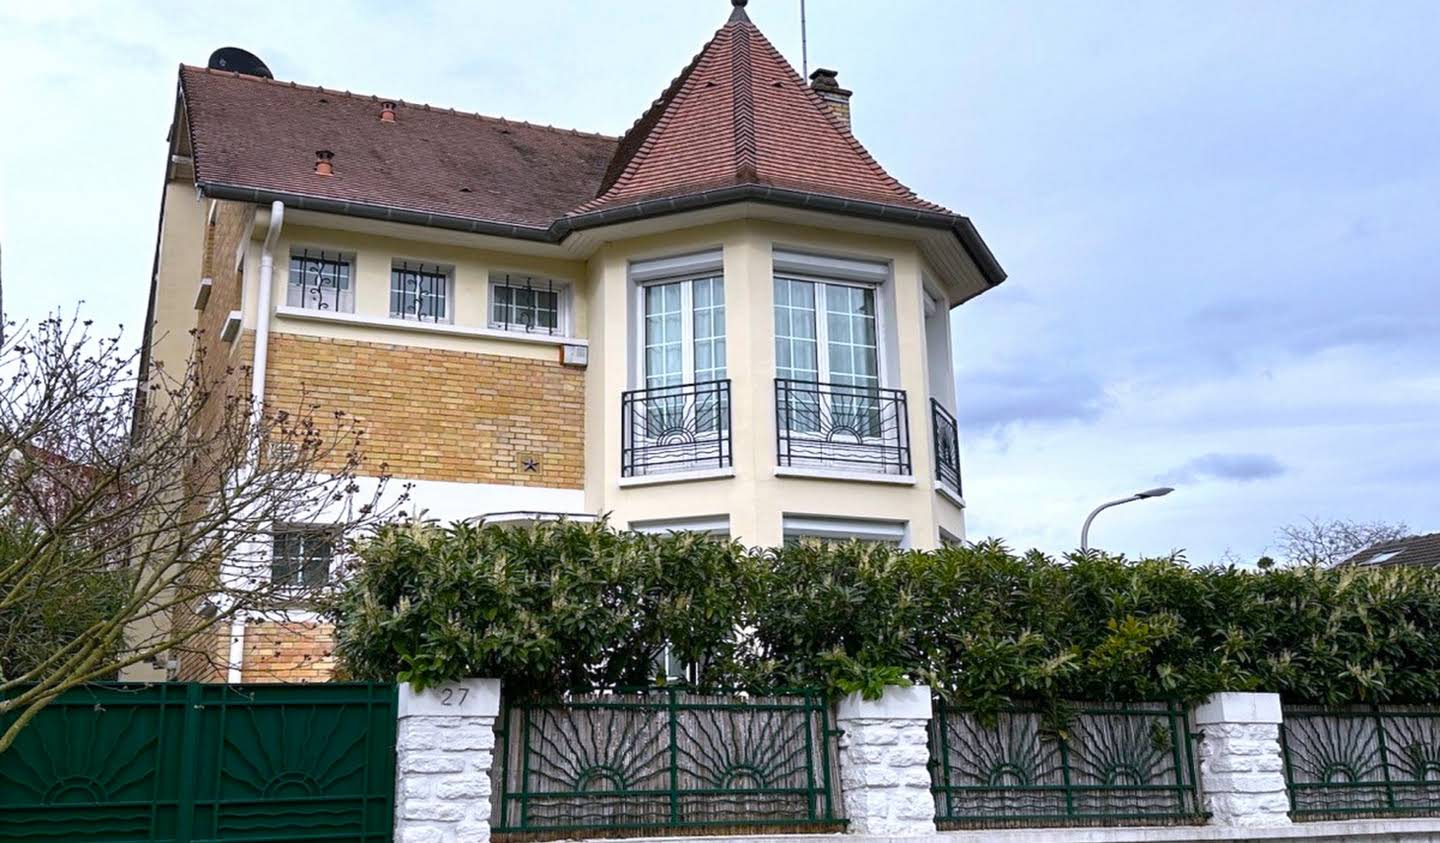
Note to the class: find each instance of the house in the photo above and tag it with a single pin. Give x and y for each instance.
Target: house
(729, 319)
(1411, 550)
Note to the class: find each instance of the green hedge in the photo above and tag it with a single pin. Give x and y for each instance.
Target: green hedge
(562, 606)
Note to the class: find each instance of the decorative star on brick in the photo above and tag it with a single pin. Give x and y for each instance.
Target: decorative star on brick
(530, 464)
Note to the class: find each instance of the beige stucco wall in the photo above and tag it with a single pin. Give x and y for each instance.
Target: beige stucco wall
(181, 247)
(755, 499)
(373, 257)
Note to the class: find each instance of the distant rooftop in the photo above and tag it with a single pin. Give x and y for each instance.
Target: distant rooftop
(1413, 550)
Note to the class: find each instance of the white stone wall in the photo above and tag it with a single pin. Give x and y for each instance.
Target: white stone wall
(1242, 771)
(884, 763)
(445, 744)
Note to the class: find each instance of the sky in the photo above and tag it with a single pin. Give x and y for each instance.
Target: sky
(1220, 220)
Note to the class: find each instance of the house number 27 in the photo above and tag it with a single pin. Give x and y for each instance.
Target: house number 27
(453, 696)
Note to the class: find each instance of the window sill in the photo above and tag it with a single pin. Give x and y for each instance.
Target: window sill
(848, 476)
(422, 327)
(948, 494)
(677, 477)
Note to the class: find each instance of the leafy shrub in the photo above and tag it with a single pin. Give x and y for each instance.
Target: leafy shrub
(559, 606)
(549, 608)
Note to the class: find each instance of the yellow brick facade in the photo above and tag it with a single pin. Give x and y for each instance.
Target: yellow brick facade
(430, 414)
(288, 652)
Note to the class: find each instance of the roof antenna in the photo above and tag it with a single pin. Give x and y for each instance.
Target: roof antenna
(804, 51)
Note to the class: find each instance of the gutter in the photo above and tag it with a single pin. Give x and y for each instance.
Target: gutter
(959, 226)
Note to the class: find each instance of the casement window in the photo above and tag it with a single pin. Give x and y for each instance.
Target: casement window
(684, 331)
(828, 365)
(826, 332)
(420, 291)
(301, 557)
(321, 280)
(526, 304)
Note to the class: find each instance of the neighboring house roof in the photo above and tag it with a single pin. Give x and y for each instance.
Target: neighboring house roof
(738, 124)
(1413, 550)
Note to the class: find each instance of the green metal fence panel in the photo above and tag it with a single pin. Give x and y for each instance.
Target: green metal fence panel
(667, 759)
(194, 763)
(1361, 760)
(1105, 764)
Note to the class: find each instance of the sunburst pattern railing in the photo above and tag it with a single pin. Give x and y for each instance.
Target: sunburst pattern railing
(666, 759)
(1100, 764)
(188, 762)
(1365, 760)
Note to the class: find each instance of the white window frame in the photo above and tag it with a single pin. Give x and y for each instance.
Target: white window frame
(301, 588)
(517, 280)
(340, 256)
(842, 529)
(682, 269)
(403, 264)
(687, 326)
(822, 270)
(822, 325)
(714, 525)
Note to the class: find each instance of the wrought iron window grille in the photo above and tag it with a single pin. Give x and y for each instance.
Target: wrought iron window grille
(320, 280)
(686, 427)
(301, 557)
(419, 291)
(666, 758)
(1350, 761)
(1113, 764)
(841, 426)
(521, 303)
(947, 447)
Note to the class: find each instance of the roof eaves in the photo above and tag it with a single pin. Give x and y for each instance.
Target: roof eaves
(959, 226)
(366, 210)
(556, 232)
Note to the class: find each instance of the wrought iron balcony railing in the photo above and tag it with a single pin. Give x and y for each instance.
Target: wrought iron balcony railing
(841, 426)
(685, 427)
(947, 447)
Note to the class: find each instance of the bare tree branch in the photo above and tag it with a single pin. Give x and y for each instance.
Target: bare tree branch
(120, 545)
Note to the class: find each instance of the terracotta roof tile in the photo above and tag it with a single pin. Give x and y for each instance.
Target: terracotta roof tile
(737, 115)
(258, 133)
(740, 114)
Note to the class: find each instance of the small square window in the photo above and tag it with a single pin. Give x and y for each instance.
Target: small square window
(301, 557)
(321, 280)
(420, 291)
(522, 303)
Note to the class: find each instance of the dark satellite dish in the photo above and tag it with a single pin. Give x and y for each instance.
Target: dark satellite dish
(237, 60)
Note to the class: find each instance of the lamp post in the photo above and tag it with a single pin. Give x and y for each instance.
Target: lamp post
(1138, 496)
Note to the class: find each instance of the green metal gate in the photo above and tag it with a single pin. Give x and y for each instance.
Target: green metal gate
(191, 763)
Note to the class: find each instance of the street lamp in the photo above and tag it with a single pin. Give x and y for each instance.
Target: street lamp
(1138, 496)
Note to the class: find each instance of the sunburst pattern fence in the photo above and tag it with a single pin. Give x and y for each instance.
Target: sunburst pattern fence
(1093, 764)
(1365, 760)
(188, 762)
(666, 759)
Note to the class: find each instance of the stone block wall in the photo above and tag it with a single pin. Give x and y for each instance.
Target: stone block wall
(445, 745)
(884, 762)
(1242, 770)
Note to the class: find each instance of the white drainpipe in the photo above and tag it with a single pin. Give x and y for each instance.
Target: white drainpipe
(262, 315)
(257, 391)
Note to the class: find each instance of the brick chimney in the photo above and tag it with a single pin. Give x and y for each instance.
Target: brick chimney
(823, 82)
